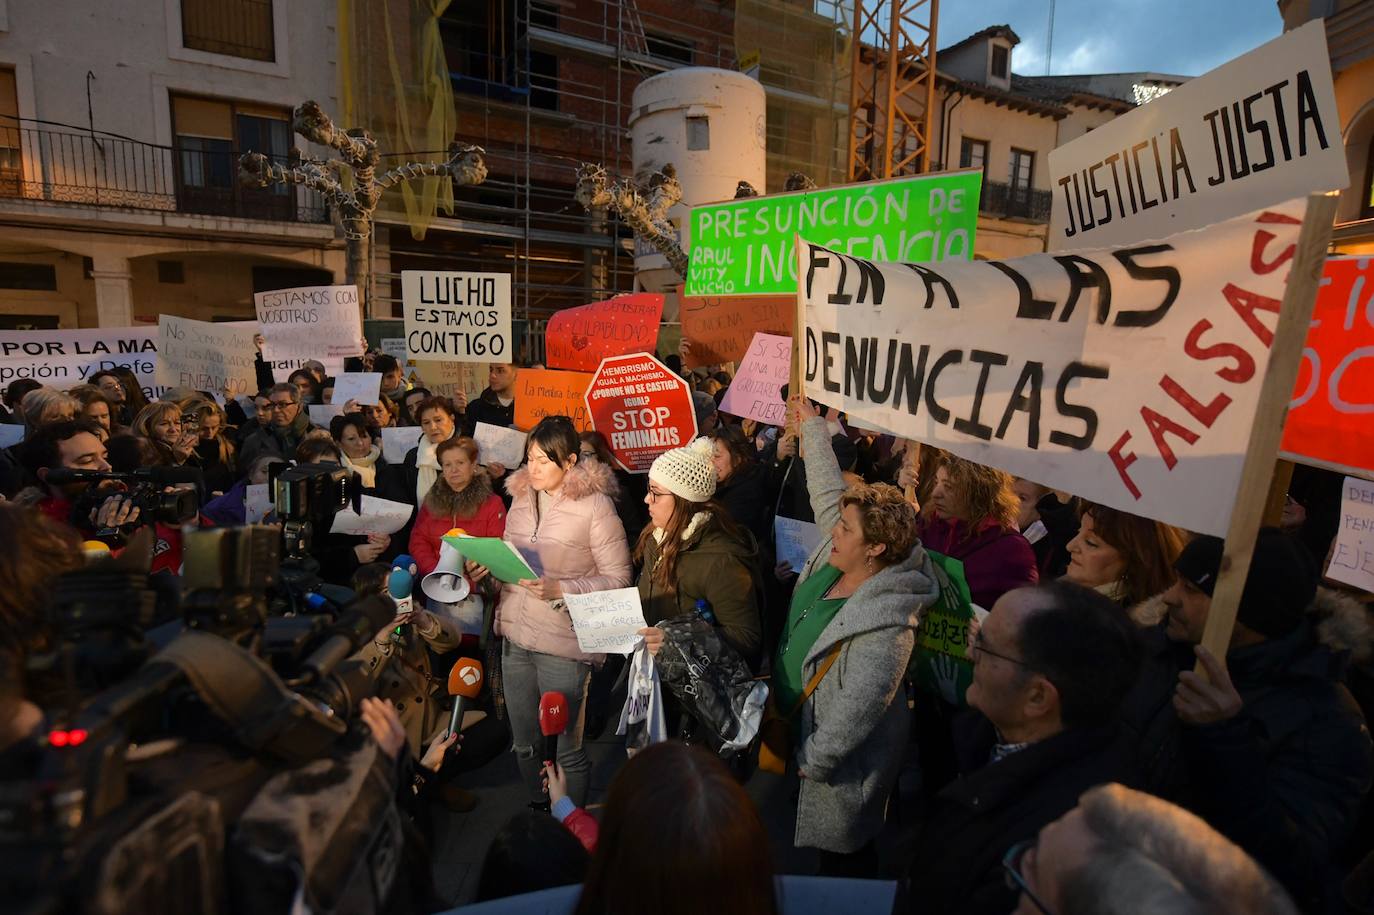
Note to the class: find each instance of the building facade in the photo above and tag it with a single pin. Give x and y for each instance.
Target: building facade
(120, 128)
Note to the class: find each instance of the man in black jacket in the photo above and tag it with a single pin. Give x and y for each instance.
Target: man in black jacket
(1276, 753)
(496, 405)
(1051, 665)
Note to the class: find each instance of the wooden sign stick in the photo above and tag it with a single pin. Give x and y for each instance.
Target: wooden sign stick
(1295, 316)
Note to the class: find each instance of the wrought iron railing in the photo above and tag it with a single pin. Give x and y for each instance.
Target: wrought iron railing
(61, 165)
(1014, 202)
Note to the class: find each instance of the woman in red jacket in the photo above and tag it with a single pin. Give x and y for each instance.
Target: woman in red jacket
(460, 497)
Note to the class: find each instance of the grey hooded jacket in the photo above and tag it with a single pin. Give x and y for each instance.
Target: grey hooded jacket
(853, 729)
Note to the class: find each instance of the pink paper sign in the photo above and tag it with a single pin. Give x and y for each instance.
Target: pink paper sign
(756, 391)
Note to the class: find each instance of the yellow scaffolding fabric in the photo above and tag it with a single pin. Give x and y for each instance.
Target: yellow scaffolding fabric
(394, 81)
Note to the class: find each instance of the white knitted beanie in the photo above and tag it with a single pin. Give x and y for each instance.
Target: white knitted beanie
(687, 472)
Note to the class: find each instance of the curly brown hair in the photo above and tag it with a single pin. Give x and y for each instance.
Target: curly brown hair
(886, 517)
(985, 491)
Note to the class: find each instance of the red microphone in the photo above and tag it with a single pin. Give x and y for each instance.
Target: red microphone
(553, 720)
(464, 684)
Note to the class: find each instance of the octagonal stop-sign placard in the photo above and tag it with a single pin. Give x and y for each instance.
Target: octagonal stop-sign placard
(642, 408)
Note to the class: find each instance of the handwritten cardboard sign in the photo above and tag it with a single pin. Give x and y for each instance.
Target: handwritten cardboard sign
(463, 317)
(606, 622)
(205, 356)
(579, 338)
(756, 391)
(720, 328)
(311, 322)
(546, 392)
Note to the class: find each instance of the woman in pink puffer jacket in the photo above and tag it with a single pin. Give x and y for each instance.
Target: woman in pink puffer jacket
(563, 521)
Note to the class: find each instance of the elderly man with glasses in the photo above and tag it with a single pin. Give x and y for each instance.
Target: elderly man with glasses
(283, 427)
(1051, 666)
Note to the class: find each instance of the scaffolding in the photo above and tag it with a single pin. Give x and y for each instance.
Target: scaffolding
(543, 88)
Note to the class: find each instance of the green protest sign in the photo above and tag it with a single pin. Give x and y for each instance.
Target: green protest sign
(940, 664)
(744, 247)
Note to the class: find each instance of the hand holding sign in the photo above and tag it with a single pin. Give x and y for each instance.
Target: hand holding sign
(606, 621)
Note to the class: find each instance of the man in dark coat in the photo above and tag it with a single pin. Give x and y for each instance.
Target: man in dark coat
(1276, 752)
(1051, 665)
(496, 405)
(287, 424)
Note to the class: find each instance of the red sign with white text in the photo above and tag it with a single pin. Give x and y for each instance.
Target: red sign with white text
(642, 408)
(1331, 417)
(579, 338)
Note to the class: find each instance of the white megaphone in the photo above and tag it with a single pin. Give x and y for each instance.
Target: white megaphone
(447, 584)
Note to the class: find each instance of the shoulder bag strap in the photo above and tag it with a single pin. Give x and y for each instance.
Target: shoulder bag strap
(819, 676)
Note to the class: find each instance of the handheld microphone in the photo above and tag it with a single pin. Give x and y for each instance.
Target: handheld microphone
(464, 685)
(401, 583)
(553, 720)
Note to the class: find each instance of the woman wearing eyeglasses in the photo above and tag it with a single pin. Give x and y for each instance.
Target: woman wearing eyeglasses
(691, 551)
(840, 665)
(562, 520)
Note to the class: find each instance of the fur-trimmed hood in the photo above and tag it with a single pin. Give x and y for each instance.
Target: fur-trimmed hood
(1341, 622)
(581, 481)
(442, 500)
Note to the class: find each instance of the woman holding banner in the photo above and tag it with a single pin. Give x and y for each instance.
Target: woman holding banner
(563, 521)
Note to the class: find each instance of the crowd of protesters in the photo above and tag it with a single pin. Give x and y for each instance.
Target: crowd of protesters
(1100, 760)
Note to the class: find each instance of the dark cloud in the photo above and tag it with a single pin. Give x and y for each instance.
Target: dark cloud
(1185, 37)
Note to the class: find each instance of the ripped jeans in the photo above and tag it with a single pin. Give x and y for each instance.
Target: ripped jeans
(526, 675)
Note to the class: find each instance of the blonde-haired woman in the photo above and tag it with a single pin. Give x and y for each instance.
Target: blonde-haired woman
(161, 423)
(971, 516)
(842, 659)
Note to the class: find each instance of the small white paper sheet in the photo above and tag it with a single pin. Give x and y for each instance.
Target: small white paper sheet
(606, 622)
(378, 516)
(795, 541)
(1352, 555)
(257, 503)
(397, 441)
(499, 444)
(360, 386)
(322, 413)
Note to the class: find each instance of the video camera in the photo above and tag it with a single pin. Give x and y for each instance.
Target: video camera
(149, 489)
(218, 774)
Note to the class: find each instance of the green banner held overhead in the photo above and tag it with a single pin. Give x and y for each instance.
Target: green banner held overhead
(744, 247)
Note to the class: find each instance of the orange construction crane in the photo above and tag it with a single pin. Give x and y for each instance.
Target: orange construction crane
(892, 88)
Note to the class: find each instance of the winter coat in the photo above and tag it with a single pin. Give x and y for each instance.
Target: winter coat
(715, 567)
(405, 682)
(270, 439)
(996, 559)
(748, 499)
(576, 540)
(1060, 522)
(993, 805)
(488, 519)
(1284, 778)
(852, 731)
(488, 409)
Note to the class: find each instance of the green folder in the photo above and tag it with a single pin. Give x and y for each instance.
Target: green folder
(500, 558)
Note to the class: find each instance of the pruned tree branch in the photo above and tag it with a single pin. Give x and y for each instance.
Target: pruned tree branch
(648, 218)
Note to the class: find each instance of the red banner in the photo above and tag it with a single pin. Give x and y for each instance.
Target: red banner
(579, 338)
(1331, 419)
(642, 408)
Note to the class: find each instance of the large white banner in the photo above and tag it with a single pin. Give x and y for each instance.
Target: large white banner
(457, 317)
(64, 358)
(1254, 132)
(207, 357)
(1129, 376)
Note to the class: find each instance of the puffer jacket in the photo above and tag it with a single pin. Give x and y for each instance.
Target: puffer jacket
(714, 567)
(996, 559)
(577, 540)
(487, 520)
(1284, 778)
(853, 728)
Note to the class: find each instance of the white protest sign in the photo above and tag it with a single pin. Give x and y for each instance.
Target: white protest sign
(397, 440)
(360, 386)
(257, 503)
(795, 541)
(756, 390)
(1352, 556)
(63, 358)
(459, 317)
(499, 444)
(378, 516)
(395, 347)
(311, 322)
(606, 622)
(1254, 132)
(205, 356)
(322, 413)
(1130, 377)
(11, 434)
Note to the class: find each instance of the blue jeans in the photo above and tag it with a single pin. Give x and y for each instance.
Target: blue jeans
(525, 676)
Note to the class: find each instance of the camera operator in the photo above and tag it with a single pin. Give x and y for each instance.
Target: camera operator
(74, 445)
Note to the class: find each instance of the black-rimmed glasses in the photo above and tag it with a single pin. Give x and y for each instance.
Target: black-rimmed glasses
(1011, 866)
(980, 647)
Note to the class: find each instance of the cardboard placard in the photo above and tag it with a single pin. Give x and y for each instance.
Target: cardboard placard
(642, 408)
(579, 338)
(720, 329)
(545, 392)
(457, 317)
(756, 390)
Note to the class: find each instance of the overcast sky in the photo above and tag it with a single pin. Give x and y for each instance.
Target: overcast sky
(1184, 37)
